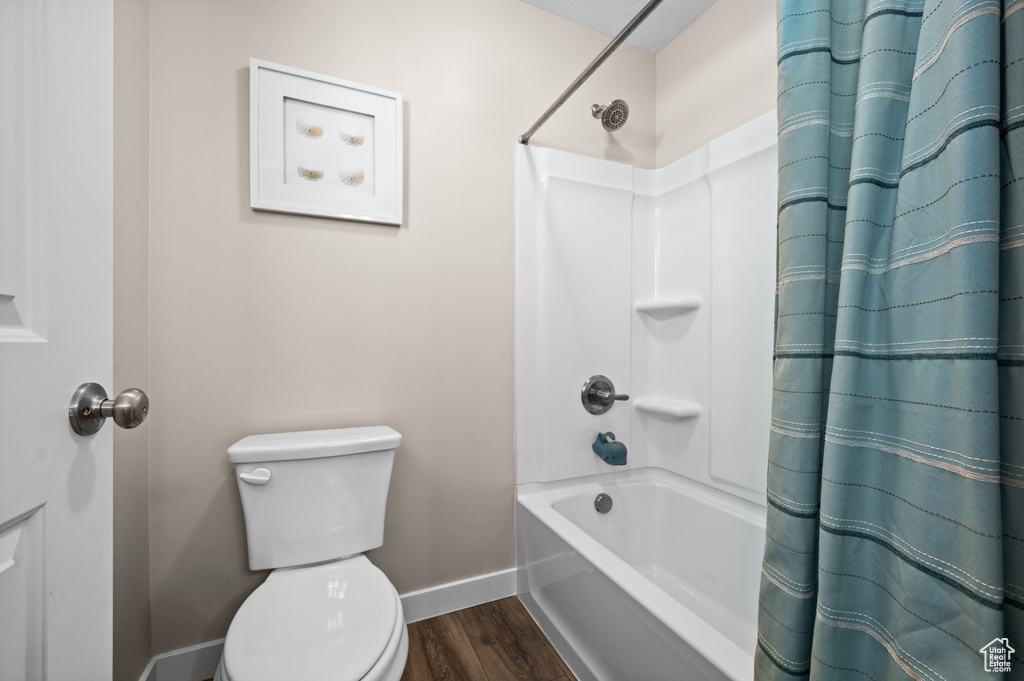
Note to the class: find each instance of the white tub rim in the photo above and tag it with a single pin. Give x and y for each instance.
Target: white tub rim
(539, 498)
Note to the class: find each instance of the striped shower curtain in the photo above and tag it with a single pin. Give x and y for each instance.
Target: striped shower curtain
(895, 535)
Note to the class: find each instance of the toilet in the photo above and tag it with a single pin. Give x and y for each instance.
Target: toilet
(313, 502)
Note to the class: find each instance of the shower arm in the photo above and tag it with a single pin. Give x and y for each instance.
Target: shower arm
(587, 72)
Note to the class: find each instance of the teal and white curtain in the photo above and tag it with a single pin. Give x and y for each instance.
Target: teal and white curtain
(895, 535)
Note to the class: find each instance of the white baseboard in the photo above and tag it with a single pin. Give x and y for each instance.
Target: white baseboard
(197, 663)
(465, 593)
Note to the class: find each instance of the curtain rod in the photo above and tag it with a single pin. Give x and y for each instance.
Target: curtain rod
(605, 53)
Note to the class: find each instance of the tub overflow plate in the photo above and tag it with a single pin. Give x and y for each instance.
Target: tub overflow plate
(603, 503)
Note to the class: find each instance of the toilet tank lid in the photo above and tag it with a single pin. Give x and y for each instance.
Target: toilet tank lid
(313, 444)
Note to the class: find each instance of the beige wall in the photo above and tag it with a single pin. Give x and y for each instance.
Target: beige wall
(132, 634)
(265, 322)
(715, 76)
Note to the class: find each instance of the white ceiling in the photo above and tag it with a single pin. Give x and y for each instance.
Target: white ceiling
(611, 16)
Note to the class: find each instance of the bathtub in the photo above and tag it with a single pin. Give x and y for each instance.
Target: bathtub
(662, 587)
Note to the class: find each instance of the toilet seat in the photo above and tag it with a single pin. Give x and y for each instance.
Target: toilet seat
(339, 621)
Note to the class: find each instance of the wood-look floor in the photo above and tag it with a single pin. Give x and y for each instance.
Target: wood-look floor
(496, 641)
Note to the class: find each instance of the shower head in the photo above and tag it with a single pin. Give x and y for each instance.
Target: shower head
(612, 116)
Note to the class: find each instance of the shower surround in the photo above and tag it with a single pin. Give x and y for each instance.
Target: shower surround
(663, 281)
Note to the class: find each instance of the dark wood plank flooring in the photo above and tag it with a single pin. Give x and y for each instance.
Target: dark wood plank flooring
(496, 641)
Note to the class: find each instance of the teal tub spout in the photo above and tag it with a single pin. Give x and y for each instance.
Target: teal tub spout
(612, 452)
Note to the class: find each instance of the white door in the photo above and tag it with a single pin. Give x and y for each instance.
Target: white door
(56, 194)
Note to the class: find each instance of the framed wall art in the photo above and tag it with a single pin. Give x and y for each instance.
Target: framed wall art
(323, 146)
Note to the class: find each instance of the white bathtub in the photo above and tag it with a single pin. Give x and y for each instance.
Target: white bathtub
(663, 587)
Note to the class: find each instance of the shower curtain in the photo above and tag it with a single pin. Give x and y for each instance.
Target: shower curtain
(895, 534)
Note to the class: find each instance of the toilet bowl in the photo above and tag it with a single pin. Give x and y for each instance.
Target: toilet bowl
(313, 501)
(337, 620)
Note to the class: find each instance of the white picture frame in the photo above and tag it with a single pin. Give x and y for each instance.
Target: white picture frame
(323, 146)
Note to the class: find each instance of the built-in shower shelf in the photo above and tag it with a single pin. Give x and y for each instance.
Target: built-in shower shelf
(669, 408)
(668, 305)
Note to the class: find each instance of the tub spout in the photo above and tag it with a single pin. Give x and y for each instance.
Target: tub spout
(612, 452)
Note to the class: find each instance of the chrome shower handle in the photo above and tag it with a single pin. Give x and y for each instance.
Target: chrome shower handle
(605, 396)
(599, 394)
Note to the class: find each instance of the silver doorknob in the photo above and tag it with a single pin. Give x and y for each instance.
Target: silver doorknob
(90, 408)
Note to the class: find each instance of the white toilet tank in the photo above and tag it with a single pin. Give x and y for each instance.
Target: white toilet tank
(313, 495)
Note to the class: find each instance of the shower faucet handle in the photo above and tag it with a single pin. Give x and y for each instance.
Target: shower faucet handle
(599, 395)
